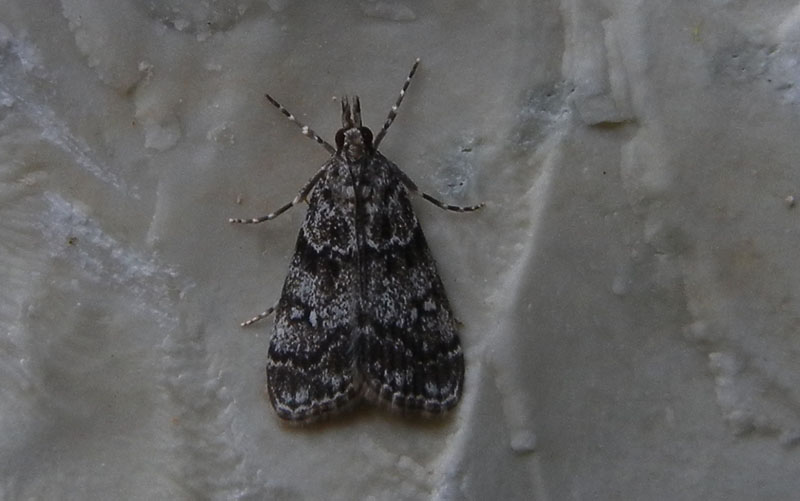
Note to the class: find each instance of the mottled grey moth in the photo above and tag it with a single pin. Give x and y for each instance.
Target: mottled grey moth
(363, 312)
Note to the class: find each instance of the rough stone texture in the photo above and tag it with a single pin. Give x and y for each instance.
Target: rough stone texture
(628, 298)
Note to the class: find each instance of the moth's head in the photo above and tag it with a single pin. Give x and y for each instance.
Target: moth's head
(353, 140)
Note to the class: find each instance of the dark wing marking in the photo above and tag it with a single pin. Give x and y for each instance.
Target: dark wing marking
(408, 348)
(311, 359)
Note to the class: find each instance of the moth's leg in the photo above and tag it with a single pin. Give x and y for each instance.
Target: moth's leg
(303, 128)
(393, 111)
(260, 316)
(454, 208)
(301, 196)
(412, 187)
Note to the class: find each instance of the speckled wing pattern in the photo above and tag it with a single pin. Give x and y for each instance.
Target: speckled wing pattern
(409, 353)
(363, 310)
(311, 363)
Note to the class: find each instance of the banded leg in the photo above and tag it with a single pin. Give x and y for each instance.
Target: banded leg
(260, 316)
(454, 208)
(393, 111)
(303, 128)
(301, 196)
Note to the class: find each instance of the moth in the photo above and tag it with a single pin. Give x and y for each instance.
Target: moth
(363, 313)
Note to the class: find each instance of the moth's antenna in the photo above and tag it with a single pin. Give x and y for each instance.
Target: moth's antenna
(303, 128)
(393, 111)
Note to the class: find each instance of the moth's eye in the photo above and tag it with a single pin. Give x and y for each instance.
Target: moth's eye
(339, 139)
(367, 135)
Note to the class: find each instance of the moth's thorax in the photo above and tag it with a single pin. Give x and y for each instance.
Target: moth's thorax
(356, 144)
